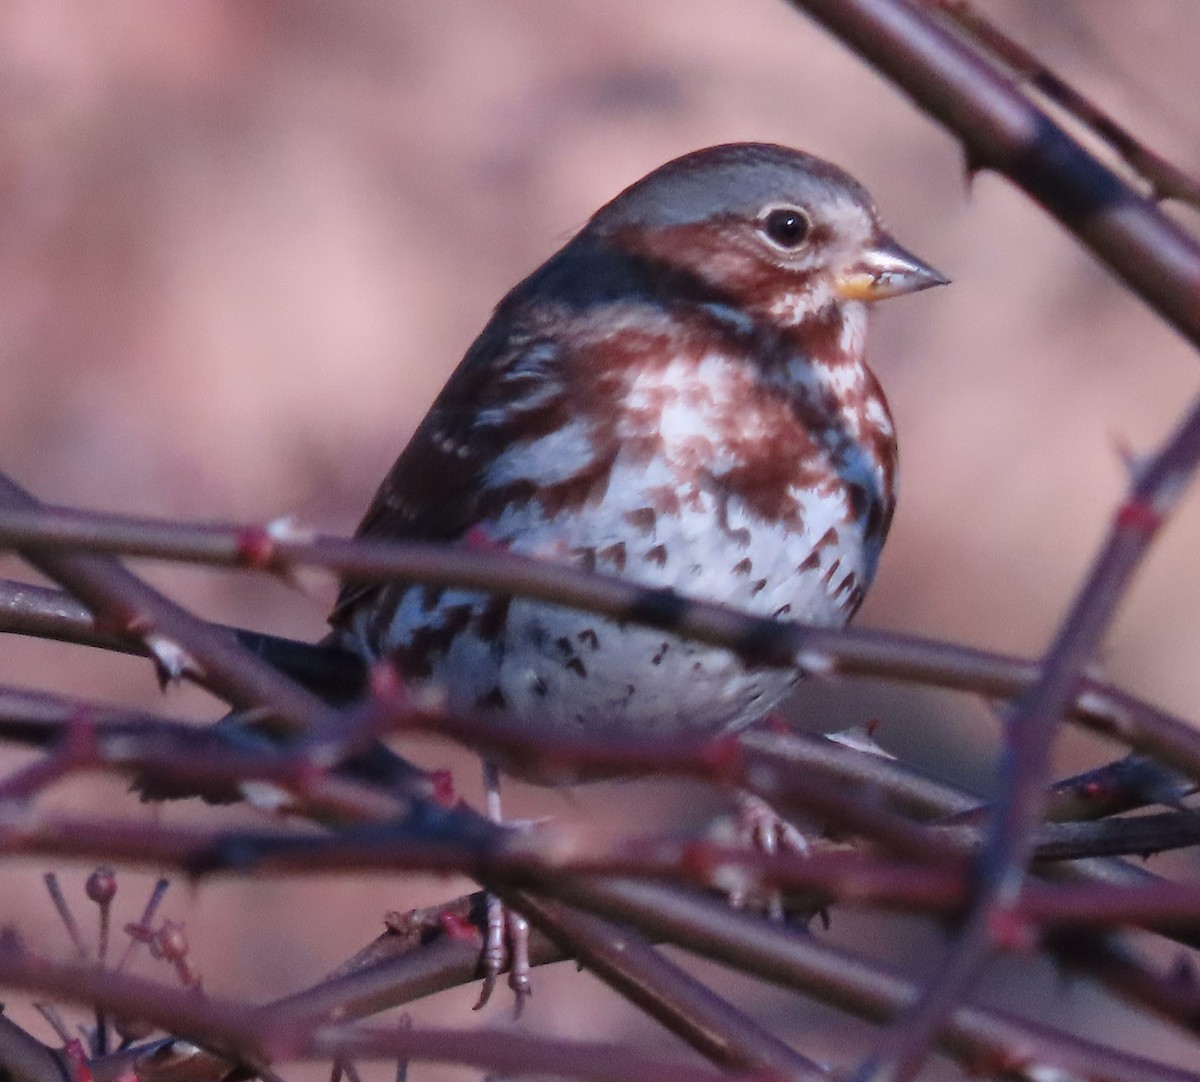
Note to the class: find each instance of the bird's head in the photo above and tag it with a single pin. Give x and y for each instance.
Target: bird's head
(776, 232)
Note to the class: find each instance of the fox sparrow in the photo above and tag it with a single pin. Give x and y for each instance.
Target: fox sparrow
(678, 396)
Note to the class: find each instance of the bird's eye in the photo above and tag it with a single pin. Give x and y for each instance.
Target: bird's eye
(787, 227)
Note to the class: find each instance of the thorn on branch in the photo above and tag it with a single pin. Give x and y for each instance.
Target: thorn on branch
(171, 661)
(813, 664)
(1182, 973)
(973, 165)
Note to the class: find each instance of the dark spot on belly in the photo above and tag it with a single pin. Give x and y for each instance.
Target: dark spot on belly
(810, 562)
(783, 610)
(614, 554)
(827, 578)
(657, 659)
(643, 519)
(658, 555)
(743, 567)
(589, 638)
(576, 666)
(539, 687)
(758, 587)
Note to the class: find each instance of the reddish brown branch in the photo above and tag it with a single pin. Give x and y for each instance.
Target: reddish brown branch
(1165, 179)
(131, 609)
(1099, 707)
(24, 1059)
(980, 1039)
(626, 962)
(1002, 130)
(263, 1035)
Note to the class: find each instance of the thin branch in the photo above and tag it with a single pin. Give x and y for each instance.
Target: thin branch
(459, 844)
(1165, 179)
(24, 1059)
(848, 651)
(1003, 130)
(626, 962)
(980, 1039)
(181, 643)
(263, 1035)
(1031, 732)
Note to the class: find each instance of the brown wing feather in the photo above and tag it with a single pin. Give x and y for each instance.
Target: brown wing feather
(432, 492)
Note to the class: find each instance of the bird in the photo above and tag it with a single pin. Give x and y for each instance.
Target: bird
(678, 397)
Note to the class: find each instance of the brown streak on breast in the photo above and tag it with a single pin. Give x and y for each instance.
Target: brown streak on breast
(642, 519)
(666, 499)
(657, 555)
(614, 554)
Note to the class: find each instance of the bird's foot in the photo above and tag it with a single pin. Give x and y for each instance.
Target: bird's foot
(762, 828)
(506, 938)
(506, 942)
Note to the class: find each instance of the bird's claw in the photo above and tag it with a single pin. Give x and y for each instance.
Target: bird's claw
(766, 831)
(506, 941)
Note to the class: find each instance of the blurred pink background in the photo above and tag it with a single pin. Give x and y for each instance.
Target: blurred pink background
(242, 245)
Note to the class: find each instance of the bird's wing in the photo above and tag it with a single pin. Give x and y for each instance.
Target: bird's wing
(435, 489)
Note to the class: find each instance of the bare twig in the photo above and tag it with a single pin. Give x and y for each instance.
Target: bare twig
(1165, 179)
(182, 644)
(1003, 130)
(627, 963)
(260, 1036)
(24, 1059)
(982, 1040)
(848, 651)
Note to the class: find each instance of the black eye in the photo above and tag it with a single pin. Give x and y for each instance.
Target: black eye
(786, 226)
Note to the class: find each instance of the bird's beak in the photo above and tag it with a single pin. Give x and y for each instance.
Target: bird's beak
(887, 270)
